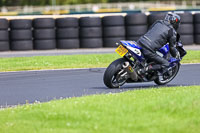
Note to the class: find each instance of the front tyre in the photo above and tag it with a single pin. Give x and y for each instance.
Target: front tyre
(163, 81)
(112, 76)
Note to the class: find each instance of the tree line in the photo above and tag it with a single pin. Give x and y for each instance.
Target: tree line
(62, 2)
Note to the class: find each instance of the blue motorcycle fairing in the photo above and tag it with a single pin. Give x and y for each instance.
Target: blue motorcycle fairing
(133, 49)
(173, 61)
(131, 43)
(164, 50)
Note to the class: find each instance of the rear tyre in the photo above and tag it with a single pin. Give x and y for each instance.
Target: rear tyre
(110, 76)
(175, 70)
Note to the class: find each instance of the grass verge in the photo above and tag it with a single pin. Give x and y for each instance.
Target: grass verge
(71, 61)
(163, 110)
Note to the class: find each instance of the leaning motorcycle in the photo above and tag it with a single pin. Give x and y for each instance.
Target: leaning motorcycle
(127, 69)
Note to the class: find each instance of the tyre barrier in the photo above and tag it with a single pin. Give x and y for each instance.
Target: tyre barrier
(44, 33)
(21, 34)
(186, 29)
(111, 41)
(67, 33)
(90, 32)
(43, 23)
(154, 17)
(113, 30)
(136, 26)
(87, 32)
(197, 28)
(4, 35)
(21, 24)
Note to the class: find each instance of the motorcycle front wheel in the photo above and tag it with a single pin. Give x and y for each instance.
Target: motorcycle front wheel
(113, 74)
(163, 80)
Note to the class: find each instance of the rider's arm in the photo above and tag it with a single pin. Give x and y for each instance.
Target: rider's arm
(172, 43)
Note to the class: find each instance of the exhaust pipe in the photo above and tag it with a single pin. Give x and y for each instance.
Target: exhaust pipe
(133, 75)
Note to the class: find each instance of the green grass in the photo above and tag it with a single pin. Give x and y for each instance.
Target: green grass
(71, 61)
(56, 62)
(192, 57)
(163, 110)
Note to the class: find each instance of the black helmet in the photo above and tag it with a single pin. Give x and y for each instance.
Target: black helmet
(173, 19)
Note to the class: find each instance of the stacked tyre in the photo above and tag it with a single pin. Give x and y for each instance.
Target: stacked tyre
(197, 28)
(21, 34)
(90, 32)
(154, 17)
(186, 29)
(136, 26)
(113, 30)
(44, 33)
(4, 35)
(67, 33)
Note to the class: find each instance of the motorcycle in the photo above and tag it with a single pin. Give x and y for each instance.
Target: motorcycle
(127, 69)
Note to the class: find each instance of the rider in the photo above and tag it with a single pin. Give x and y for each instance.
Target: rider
(159, 34)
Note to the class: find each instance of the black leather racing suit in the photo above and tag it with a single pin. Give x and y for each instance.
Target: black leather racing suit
(160, 33)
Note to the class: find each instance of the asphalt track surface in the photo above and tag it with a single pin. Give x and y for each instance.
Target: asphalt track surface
(31, 86)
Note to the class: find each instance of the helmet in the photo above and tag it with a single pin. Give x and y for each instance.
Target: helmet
(173, 19)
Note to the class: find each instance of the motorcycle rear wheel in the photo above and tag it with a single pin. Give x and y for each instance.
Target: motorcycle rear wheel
(175, 70)
(111, 75)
